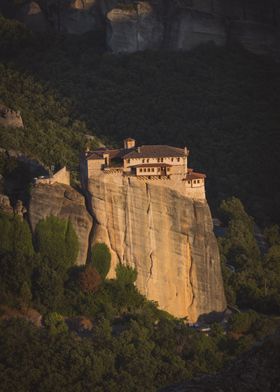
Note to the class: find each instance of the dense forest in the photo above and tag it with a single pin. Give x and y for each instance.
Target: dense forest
(220, 102)
(102, 334)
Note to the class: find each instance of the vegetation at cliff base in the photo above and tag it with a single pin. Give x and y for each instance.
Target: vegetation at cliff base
(102, 334)
(251, 274)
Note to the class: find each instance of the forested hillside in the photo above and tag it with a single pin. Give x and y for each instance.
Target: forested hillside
(222, 103)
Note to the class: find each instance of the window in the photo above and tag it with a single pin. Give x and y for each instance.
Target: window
(178, 159)
(128, 161)
(158, 169)
(147, 160)
(158, 159)
(168, 169)
(198, 181)
(161, 159)
(149, 170)
(194, 181)
(153, 169)
(172, 159)
(141, 170)
(143, 160)
(189, 182)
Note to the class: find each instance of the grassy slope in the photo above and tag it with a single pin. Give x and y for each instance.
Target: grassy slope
(223, 104)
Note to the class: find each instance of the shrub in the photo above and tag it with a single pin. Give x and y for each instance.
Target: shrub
(242, 322)
(101, 259)
(55, 323)
(125, 274)
(90, 280)
(56, 239)
(15, 236)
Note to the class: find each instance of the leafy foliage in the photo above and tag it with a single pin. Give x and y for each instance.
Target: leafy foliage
(101, 259)
(15, 236)
(56, 240)
(125, 274)
(90, 280)
(55, 323)
(254, 277)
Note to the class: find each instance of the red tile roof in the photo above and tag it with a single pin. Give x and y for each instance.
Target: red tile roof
(194, 176)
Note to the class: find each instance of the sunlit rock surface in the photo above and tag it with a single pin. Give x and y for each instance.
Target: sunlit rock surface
(64, 202)
(166, 236)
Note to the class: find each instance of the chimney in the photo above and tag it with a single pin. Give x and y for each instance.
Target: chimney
(128, 143)
(186, 151)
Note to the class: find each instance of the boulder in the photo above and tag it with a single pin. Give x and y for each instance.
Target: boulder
(10, 118)
(66, 203)
(133, 28)
(33, 17)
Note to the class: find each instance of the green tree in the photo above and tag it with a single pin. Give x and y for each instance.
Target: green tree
(47, 287)
(25, 295)
(55, 323)
(56, 240)
(126, 275)
(15, 235)
(101, 259)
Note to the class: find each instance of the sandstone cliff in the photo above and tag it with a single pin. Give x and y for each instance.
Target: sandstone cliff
(160, 24)
(64, 202)
(166, 236)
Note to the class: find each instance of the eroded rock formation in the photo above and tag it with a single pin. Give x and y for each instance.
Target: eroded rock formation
(166, 236)
(10, 118)
(64, 202)
(160, 24)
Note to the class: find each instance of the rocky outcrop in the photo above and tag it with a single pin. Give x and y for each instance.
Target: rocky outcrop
(134, 28)
(161, 24)
(5, 205)
(166, 236)
(33, 17)
(74, 16)
(182, 25)
(64, 202)
(10, 118)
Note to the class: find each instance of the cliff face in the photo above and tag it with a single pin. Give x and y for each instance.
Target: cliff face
(160, 24)
(166, 236)
(64, 202)
(187, 23)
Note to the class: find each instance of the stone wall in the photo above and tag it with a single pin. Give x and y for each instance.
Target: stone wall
(60, 177)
